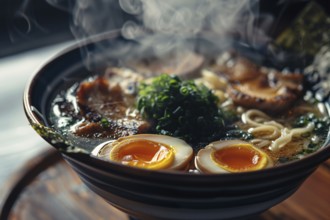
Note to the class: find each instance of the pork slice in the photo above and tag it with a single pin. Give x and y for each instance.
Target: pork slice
(107, 110)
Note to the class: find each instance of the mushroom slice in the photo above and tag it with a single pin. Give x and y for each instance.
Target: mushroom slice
(272, 92)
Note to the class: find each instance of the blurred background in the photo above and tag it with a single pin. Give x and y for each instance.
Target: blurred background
(26, 24)
(31, 32)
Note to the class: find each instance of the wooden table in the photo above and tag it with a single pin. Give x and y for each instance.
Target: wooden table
(49, 189)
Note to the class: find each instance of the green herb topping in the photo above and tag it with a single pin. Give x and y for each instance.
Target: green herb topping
(181, 109)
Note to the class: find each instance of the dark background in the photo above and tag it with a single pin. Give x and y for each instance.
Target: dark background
(27, 24)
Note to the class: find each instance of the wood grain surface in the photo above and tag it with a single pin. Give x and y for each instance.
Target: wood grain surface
(57, 194)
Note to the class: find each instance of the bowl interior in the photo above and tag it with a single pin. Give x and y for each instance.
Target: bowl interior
(75, 64)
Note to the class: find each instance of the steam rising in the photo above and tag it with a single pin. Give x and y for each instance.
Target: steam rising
(161, 27)
(23, 23)
(167, 26)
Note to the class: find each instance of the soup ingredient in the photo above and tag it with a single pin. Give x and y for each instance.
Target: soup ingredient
(148, 151)
(321, 124)
(288, 136)
(318, 75)
(273, 92)
(272, 134)
(231, 157)
(241, 71)
(59, 140)
(106, 109)
(143, 153)
(181, 109)
(238, 134)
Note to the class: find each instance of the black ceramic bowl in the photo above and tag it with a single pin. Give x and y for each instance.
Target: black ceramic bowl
(147, 194)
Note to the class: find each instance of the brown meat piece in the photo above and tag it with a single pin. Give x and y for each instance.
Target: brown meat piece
(106, 109)
(273, 92)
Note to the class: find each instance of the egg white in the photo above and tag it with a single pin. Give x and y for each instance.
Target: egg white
(183, 152)
(205, 163)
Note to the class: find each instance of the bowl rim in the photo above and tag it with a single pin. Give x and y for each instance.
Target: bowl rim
(315, 158)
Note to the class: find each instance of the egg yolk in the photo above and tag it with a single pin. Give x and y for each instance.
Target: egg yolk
(239, 158)
(143, 153)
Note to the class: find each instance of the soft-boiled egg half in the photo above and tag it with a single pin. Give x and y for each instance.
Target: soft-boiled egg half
(231, 156)
(149, 151)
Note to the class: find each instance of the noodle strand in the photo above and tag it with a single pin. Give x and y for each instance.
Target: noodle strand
(271, 133)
